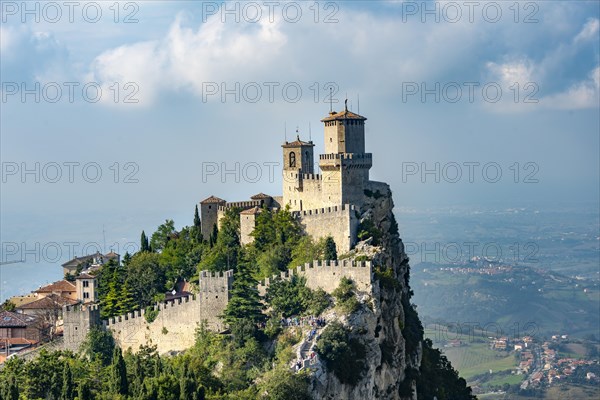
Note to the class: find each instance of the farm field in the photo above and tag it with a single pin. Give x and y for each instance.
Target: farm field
(473, 357)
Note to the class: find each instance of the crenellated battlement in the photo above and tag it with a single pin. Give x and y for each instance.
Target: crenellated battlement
(81, 307)
(326, 274)
(216, 281)
(346, 156)
(325, 210)
(164, 305)
(241, 204)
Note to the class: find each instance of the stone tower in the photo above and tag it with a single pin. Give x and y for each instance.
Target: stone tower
(77, 322)
(209, 208)
(298, 160)
(345, 165)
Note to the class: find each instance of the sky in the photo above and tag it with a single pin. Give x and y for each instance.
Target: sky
(115, 116)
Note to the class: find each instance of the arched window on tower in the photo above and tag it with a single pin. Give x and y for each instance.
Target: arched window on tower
(292, 160)
(307, 160)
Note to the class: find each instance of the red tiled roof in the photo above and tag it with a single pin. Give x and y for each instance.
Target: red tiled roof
(212, 199)
(85, 276)
(9, 319)
(48, 303)
(79, 260)
(260, 196)
(16, 341)
(251, 211)
(343, 115)
(60, 286)
(297, 143)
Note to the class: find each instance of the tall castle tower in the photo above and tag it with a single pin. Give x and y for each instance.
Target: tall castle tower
(344, 166)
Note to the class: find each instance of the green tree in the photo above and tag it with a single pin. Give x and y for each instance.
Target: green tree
(287, 297)
(197, 226)
(118, 373)
(344, 295)
(10, 390)
(109, 305)
(83, 391)
(144, 246)
(163, 234)
(438, 378)
(282, 384)
(126, 302)
(146, 277)
(244, 303)
(344, 356)
(67, 383)
(330, 251)
(8, 306)
(98, 345)
(126, 259)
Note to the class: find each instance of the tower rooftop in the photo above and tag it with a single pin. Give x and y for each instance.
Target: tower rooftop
(297, 143)
(212, 199)
(333, 116)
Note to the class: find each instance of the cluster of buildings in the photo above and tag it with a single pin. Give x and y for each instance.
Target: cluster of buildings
(37, 317)
(544, 366)
(490, 270)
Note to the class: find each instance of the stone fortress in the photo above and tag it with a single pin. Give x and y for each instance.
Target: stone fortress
(326, 204)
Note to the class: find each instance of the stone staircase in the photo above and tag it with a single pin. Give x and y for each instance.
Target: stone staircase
(305, 348)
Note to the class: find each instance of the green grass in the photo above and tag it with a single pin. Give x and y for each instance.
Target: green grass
(477, 359)
(472, 358)
(510, 379)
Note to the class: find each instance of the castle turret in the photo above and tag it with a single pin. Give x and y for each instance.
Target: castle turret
(298, 161)
(209, 214)
(344, 132)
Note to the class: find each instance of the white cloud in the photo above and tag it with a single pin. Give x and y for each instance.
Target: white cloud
(507, 74)
(582, 95)
(589, 30)
(187, 58)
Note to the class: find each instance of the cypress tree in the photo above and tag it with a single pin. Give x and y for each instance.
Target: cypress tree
(67, 386)
(214, 235)
(196, 218)
(197, 226)
(118, 369)
(245, 301)
(83, 391)
(126, 302)
(126, 259)
(330, 251)
(11, 390)
(144, 246)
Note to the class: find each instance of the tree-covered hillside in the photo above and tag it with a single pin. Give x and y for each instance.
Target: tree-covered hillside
(257, 358)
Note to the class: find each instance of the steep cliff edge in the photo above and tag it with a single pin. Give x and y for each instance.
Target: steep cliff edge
(386, 324)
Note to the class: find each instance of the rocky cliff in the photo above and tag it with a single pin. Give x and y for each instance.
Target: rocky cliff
(389, 330)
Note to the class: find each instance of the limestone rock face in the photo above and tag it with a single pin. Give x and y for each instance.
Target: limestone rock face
(378, 324)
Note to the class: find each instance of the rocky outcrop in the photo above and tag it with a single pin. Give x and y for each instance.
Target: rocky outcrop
(380, 322)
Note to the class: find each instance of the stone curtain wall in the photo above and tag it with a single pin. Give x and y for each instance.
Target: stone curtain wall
(327, 274)
(339, 222)
(175, 326)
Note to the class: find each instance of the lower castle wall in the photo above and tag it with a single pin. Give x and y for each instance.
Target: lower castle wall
(339, 222)
(327, 275)
(174, 329)
(175, 326)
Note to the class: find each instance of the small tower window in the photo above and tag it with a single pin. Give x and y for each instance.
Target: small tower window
(292, 160)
